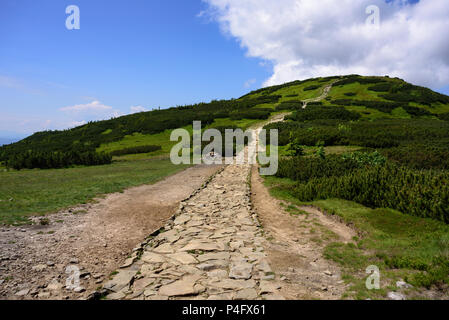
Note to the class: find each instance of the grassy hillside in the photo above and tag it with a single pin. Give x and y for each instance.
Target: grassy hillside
(371, 97)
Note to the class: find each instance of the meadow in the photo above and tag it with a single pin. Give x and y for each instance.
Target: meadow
(32, 192)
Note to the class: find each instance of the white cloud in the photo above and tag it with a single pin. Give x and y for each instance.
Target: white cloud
(74, 124)
(137, 109)
(309, 38)
(94, 106)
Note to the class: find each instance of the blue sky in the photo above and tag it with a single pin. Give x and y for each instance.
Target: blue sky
(127, 56)
(126, 53)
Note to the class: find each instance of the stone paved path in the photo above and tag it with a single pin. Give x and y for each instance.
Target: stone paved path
(212, 250)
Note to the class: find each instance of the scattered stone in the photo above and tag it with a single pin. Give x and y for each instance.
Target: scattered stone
(268, 287)
(128, 262)
(396, 296)
(328, 273)
(54, 285)
(157, 298)
(115, 296)
(23, 292)
(403, 285)
(79, 289)
(39, 267)
(44, 295)
(50, 263)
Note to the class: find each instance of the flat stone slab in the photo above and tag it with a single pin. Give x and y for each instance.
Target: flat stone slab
(204, 246)
(121, 280)
(234, 284)
(241, 271)
(183, 257)
(182, 287)
(164, 248)
(214, 256)
(151, 257)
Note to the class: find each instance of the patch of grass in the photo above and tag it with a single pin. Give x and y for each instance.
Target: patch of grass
(397, 243)
(137, 139)
(44, 191)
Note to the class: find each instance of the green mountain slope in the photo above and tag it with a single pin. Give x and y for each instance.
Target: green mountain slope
(371, 97)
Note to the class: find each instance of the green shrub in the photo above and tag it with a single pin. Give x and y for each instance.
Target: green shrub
(55, 160)
(420, 193)
(136, 150)
(310, 88)
(320, 112)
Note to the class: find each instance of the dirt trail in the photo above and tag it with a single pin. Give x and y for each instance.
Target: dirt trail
(295, 246)
(97, 238)
(323, 95)
(296, 243)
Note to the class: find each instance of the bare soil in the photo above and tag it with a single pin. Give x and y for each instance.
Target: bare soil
(95, 237)
(295, 246)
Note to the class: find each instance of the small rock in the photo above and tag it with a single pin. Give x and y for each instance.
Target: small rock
(396, 296)
(128, 262)
(403, 284)
(291, 269)
(328, 273)
(54, 285)
(50, 263)
(23, 292)
(79, 289)
(115, 296)
(43, 295)
(39, 267)
(268, 277)
(74, 260)
(283, 278)
(206, 266)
